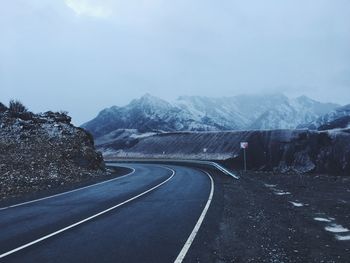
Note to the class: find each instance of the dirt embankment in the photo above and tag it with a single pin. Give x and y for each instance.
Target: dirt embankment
(285, 151)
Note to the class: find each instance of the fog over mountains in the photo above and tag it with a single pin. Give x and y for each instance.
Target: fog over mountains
(195, 113)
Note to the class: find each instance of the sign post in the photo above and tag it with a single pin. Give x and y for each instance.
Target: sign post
(244, 146)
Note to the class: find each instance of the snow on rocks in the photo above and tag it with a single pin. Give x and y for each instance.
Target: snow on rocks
(342, 233)
(342, 238)
(335, 228)
(280, 192)
(322, 219)
(296, 204)
(42, 151)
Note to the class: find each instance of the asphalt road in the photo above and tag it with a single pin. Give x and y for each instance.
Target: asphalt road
(149, 215)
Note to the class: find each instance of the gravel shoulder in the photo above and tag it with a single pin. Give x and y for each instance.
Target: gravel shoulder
(265, 217)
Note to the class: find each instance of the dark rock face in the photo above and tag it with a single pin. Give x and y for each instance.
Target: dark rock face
(304, 152)
(339, 123)
(3, 108)
(300, 151)
(39, 151)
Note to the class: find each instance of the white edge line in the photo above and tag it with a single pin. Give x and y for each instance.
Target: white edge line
(87, 219)
(71, 191)
(211, 163)
(195, 230)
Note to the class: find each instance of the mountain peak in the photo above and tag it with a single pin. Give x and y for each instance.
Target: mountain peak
(149, 100)
(305, 99)
(148, 96)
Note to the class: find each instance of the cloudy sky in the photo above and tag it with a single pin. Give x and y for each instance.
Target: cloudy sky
(84, 55)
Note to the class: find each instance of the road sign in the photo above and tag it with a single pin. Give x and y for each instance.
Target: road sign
(244, 145)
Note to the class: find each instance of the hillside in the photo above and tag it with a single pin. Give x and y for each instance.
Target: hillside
(43, 151)
(193, 113)
(283, 151)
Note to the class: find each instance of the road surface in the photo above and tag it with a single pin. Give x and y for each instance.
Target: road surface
(151, 214)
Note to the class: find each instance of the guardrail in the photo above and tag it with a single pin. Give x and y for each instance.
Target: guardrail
(220, 168)
(210, 163)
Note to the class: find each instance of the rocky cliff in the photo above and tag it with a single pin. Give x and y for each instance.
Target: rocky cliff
(40, 151)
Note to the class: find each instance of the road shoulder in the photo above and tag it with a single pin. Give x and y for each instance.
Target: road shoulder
(271, 218)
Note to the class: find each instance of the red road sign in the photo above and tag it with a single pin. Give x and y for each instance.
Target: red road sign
(244, 145)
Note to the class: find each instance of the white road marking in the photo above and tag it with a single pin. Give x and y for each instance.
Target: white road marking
(214, 164)
(68, 192)
(89, 218)
(195, 230)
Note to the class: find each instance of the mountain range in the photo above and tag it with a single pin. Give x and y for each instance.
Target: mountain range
(338, 118)
(196, 113)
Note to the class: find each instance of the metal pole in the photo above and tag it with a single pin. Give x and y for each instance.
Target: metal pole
(245, 161)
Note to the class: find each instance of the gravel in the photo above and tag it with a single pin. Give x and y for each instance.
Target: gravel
(248, 222)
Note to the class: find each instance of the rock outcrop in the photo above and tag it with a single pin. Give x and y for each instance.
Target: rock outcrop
(40, 151)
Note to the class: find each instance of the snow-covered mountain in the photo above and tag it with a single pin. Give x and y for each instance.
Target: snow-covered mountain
(335, 119)
(147, 114)
(290, 113)
(195, 113)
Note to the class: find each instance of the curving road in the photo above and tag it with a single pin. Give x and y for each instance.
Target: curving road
(151, 214)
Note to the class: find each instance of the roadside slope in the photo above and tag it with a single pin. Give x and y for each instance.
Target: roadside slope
(283, 151)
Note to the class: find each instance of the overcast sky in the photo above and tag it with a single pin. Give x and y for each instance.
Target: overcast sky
(84, 55)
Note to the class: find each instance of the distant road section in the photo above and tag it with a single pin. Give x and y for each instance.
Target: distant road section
(150, 215)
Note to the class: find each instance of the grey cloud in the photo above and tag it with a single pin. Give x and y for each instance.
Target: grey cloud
(52, 58)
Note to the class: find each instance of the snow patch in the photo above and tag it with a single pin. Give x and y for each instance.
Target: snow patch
(142, 135)
(108, 151)
(297, 204)
(342, 238)
(280, 192)
(322, 219)
(334, 228)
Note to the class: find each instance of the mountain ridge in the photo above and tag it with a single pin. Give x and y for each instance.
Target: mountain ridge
(338, 118)
(199, 113)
